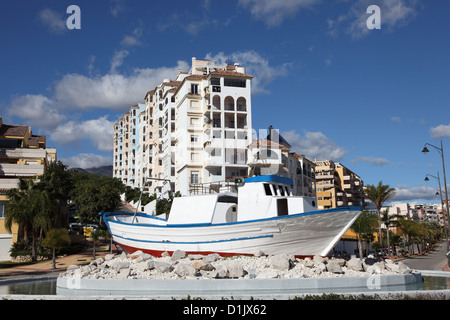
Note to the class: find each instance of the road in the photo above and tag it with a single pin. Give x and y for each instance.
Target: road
(433, 261)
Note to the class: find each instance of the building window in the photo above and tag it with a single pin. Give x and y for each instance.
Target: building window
(194, 121)
(194, 88)
(194, 177)
(2, 209)
(240, 83)
(194, 138)
(195, 156)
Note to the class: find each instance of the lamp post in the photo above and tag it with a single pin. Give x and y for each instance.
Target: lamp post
(441, 150)
(442, 202)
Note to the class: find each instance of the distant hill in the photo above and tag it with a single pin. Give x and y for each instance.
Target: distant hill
(99, 171)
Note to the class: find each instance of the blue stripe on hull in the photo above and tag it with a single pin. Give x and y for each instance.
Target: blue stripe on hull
(195, 242)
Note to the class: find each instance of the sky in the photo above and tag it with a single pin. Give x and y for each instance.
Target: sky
(336, 89)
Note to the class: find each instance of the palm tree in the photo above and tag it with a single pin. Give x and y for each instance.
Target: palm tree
(31, 208)
(389, 220)
(378, 195)
(363, 226)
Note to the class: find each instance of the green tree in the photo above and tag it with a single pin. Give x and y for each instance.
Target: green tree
(378, 195)
(96, 236)
(164, 205)
(32, 209)
(56, 239)
(363, 226)
(389, 220)
(57, 181)
(94, 194)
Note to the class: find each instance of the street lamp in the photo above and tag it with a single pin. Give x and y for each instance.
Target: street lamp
(442, 202)
(441, 150)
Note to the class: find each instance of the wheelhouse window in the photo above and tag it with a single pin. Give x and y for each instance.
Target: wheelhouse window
(267, 189)
(281, 190)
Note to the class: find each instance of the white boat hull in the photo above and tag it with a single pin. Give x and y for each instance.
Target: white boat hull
(303, 235)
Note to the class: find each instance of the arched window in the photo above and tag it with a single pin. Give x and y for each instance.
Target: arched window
(229, 103)
(216, 102)
(241, 104)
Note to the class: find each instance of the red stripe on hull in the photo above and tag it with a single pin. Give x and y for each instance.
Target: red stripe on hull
(157, 253)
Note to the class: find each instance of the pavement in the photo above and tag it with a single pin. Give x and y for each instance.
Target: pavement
(46, 267)
(436, 259)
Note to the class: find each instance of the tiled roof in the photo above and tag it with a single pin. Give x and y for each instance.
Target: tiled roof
(231, 73)
(268, 143)
(172, 83)
(13, 130)
(34, 140)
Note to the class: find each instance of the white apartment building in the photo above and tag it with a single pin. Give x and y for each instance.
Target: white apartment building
(419, 212)
(192, 130)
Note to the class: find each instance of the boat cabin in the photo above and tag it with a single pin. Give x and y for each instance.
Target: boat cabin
(258, 197)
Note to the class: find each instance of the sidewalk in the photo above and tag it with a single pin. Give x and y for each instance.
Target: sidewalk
(45, 267)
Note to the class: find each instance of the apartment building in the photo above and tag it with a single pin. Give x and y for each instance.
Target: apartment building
(419, 212)
(337, 186)
(126, 141)
(22, 155)
(192, 130)
(272, 156)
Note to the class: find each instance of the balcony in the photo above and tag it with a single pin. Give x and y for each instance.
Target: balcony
(23, 153)
(21, 170)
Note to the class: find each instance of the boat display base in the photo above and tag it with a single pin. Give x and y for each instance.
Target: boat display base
(236, 288)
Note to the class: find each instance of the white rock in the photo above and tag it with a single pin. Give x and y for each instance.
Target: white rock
(163, 266)
(235, 269)
(355, 264)
(318, 260)
(267, 274)
(177, 255)
(184, 270)
(334, 267)
(211, 257)
(280, 261)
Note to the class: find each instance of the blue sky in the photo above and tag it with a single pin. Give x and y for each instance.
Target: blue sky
(370, 99)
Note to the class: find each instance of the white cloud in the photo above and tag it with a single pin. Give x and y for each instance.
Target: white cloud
(421, 192)
(263, 73)
(396, 119)
(53, 20)
(98, 131)
(274, 12)
(38, 110)
(314, 145)
(117, 60)
(87, 161)
(133, 39)
(440, 131)
(115, 7)
(113, 90)
(373, 160)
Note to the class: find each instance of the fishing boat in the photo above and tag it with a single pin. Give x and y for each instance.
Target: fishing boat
(243, 218)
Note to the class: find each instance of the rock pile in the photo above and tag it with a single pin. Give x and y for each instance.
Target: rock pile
(139, 265)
